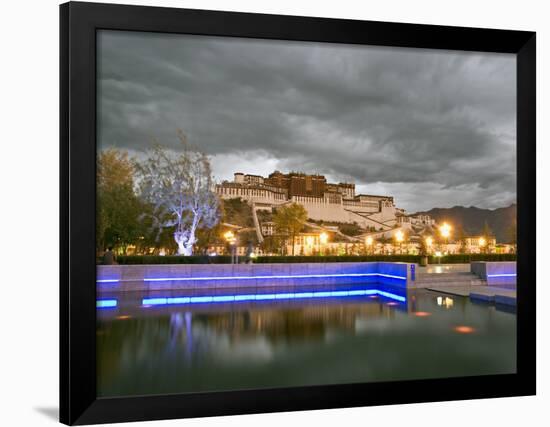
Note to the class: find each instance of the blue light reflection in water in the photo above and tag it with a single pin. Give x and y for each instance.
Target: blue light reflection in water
(271, 296)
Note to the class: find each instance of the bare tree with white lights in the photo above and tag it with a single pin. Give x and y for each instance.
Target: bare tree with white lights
(179, 187)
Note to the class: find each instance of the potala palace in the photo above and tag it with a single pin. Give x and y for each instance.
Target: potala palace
(324, 201)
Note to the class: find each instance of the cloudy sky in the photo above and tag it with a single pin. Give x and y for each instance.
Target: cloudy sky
(432, 128)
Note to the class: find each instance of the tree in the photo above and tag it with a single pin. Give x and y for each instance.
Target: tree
(424, 249)
(271, 244)
(487, 234)
(179, 187)
(289, 221)
(117, 219)
(213, 235)
(460, 238)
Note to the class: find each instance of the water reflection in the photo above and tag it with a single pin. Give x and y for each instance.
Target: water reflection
(170, 349)
(445, 301)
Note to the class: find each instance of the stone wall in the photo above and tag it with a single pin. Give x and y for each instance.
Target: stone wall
(124, 278)
(495, 273)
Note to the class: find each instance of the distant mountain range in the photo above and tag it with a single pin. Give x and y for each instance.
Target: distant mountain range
(473, 219)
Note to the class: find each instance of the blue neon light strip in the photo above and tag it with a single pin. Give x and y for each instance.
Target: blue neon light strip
(106, 303)
(264, 297)
(297, 276)
(502, 275)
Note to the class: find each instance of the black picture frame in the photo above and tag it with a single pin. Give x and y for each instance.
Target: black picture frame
(78, 25)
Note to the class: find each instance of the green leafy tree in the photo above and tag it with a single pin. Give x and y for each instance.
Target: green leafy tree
(118, 207)
(289, 221)
(212, 235)
(271, 245)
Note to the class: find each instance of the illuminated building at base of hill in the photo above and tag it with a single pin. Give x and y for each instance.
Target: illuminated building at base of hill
(323, 201)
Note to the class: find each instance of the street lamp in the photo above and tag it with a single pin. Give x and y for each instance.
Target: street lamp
(482, 242)
(323, 239)
(445, 231)
(399, 237)
(229, 236)
(368, 243)
(232, 240)
(309, 242)
(429, 242)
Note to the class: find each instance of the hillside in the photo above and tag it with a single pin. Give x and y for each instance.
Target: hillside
(237, 212)
(472, 219)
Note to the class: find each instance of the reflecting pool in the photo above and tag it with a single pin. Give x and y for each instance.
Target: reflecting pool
(147, 345)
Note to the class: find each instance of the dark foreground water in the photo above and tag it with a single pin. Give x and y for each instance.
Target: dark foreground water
(158, 349)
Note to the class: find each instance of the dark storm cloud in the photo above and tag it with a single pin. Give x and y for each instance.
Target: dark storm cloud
(384, 118)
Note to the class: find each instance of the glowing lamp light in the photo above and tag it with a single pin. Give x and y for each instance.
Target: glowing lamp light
(323, 238)
(369, 241)
(429, 241)
(446, 302)
(399, 236)
(464, 329)
(122, 317)
(482, 242)
(229, 236)
(438, 254)
(445, 230)
(422, 314)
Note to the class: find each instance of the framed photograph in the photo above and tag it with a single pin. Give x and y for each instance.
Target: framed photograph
(267, 213)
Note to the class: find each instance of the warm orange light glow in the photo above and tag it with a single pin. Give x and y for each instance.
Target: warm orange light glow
(323, 238)
(429, 241)
(309, 240)
(399, 236)
(368, 241)
(482, 241)
(446, 302)
(445, 230)
(422, 314)
(229, 236)
(464, 329)
(123, 317)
